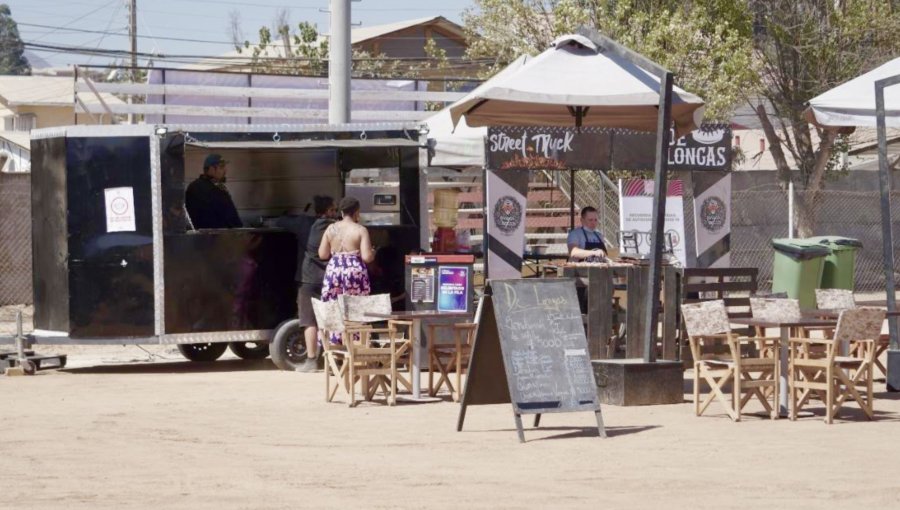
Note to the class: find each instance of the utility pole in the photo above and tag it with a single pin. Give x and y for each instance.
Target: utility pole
(132, 32)
(339, 63)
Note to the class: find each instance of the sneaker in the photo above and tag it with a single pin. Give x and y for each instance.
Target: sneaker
(308, 365)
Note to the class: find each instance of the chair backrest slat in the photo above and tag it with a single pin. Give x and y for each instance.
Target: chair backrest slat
(706, 318)
(859, 324)
(835, 299)
(356, 307)
(328, 315)
(775, 309)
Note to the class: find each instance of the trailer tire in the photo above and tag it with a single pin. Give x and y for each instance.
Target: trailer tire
(250, 350)
(202, 352)
(288, 347)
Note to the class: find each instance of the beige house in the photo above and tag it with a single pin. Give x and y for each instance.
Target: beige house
(33, 102)
(403, 39)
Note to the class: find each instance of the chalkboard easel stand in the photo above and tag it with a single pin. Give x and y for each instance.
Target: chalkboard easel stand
(487, 379)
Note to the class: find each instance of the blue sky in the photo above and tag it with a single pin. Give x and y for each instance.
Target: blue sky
(206, 20)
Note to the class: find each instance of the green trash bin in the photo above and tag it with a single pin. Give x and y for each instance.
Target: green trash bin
(798, 269)
(838, 272)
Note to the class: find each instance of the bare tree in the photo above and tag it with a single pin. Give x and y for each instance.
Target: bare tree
(281, 25)
(234, 29)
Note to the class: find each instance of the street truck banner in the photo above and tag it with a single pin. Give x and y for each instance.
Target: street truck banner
(507, 196)
(636, 216)
(554, 148)
(712, 218)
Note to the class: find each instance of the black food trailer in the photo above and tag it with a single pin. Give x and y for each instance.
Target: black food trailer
(116, 260)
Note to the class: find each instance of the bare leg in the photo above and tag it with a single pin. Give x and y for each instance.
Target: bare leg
(310, 334)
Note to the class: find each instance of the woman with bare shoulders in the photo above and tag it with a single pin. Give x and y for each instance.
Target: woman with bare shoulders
(347, 247)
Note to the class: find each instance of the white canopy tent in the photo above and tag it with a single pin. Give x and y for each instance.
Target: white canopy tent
(589, 80)
(576, 82)
(462, 145)
(872, 99)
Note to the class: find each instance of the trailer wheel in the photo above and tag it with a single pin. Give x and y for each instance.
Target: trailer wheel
(288, 347)
(202, 352)
(250, 350)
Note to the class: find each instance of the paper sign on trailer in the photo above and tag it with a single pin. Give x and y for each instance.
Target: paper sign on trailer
(120, 209)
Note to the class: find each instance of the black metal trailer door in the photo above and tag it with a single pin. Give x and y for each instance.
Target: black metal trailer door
(110, 267)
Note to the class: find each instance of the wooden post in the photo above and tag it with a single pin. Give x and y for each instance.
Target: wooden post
(659, 218)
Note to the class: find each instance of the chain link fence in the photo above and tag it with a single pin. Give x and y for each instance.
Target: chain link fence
(761, 214)
(15, 239)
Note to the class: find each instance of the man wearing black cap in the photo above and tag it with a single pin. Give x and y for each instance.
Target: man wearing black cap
(207, 200)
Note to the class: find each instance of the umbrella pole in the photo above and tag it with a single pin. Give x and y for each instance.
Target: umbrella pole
(651, 305)
(884, 180)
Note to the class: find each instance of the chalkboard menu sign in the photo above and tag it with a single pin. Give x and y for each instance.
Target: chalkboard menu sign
(530, 350)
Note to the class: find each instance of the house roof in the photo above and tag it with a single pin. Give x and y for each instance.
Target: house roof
(43, 91)
(358, 35)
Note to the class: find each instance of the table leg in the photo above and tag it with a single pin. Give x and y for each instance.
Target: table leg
(416, 369)
(783, 377)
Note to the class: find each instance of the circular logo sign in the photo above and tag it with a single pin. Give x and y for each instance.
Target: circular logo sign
(119, 205)
(507, 214)
(713, 214)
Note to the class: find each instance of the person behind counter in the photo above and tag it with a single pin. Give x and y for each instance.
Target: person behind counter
(347, 247)
(207, 199)
(310, 275)
(585, 242)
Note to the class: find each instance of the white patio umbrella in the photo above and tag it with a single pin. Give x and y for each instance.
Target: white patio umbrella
(852, 104)
(576, 83)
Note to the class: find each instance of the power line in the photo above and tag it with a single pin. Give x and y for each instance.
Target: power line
(85, 15)
(107, 32)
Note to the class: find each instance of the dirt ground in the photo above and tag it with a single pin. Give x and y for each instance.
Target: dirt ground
(127, 428)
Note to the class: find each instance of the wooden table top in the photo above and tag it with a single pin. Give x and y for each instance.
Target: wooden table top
(802, 322)
(417, 314)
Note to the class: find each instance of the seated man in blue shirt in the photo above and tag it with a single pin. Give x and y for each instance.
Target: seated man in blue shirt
(586, 242)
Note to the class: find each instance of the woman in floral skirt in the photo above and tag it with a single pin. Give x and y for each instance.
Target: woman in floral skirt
(347, 247)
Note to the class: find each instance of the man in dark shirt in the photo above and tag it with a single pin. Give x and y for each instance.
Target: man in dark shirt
(207, 200)
(312, 273)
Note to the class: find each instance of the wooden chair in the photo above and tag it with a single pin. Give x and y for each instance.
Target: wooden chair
(836, 377)
(355, 310)
(708, 329)
(356, 360)
(843, 299)
(447, 357)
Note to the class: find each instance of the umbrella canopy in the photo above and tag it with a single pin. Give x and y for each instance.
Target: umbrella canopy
(852, 104)
(459, 144)
(575, 83)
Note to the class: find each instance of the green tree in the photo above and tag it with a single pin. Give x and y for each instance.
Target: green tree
(706, 43)
(803, 48)
(12, 49)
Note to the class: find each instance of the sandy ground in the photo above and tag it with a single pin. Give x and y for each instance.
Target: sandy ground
(136, 430)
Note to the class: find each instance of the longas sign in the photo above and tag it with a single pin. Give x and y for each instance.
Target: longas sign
(707, 148)
(554, 148)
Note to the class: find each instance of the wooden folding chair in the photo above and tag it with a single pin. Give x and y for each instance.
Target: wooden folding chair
(357, 359)
(843, 299)
(717, 364)
(447, 357)
(837, 376)
(395, 335)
